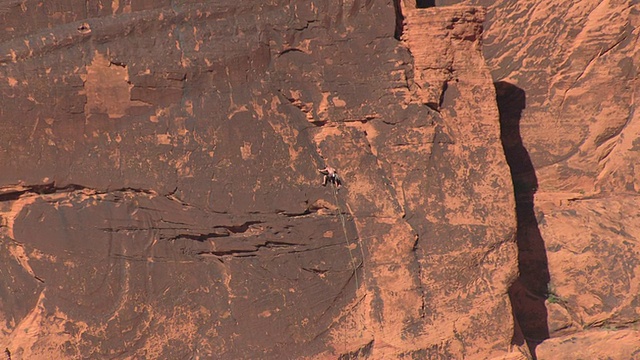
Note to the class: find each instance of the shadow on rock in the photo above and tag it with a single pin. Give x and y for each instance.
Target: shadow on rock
(529, 292)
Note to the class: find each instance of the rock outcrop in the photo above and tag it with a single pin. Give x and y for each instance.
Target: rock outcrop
(159, 192)
(160, 197)
(567, 80)
(437, 264)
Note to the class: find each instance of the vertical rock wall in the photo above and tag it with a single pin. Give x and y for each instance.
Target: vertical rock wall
(567, 74)
(160, 194)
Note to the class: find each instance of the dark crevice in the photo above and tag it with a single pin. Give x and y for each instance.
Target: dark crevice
(215, 231)
(238, 253)
(199, 237)
(117, 63)
(529, 292)
(423, 4)
(241, 228)
(277, 244)
(285, 51)
(399, 20)
(304, 213)
(316, 271)
(138, 228)
(363, 120)
(304, 109)
(52, 188)
(12, 196)
(433, 106)
(251, 252)
(438, 106)
(361, 353)
(318, 123)
(42, 189)
(219, 231)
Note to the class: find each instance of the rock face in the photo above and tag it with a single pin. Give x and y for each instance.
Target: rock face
(594, 344)
(160, 197)
(566, 78)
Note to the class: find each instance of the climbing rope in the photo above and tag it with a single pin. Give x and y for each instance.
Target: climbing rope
(353, 264)
(346, 236)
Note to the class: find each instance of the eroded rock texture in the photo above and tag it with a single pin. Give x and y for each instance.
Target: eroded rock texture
(567, 78)
(160, 193)
(160, 197)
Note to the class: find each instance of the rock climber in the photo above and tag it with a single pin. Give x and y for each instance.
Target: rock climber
(330, 175)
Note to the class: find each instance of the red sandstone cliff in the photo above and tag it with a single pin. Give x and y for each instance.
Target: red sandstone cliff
(160, 195)
(567, 78)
